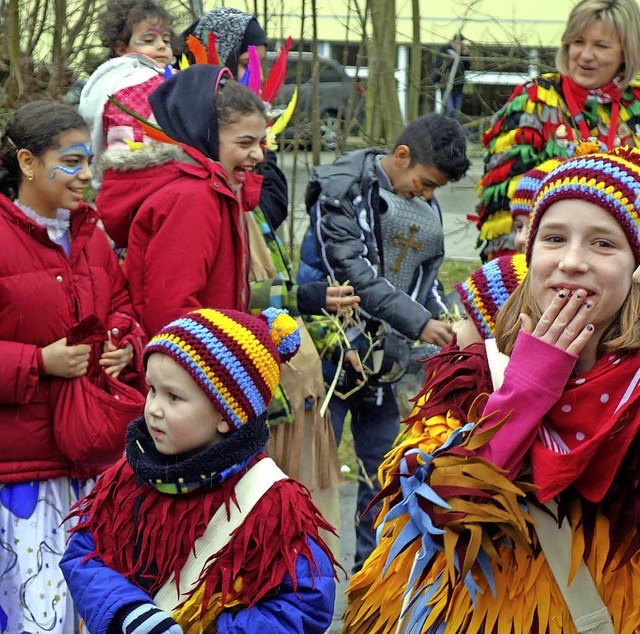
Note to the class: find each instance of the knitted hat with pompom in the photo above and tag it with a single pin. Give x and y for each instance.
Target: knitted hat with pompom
(609, 179)
(234, 357)
(486, 290)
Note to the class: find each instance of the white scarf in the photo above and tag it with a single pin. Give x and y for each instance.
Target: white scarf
(56, 227)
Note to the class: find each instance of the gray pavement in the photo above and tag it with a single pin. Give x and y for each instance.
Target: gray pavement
(348, 494)
(456, 200)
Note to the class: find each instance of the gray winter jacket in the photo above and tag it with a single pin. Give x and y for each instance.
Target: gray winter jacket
(344, 241)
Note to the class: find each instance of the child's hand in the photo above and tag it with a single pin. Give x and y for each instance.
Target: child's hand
(564, 323)
(340, 298)
(68, 362)
(440, 333)
(148, 618)
(113, 359)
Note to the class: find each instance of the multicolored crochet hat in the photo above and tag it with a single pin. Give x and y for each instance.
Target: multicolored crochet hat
(234, 357)
(486, 290)
(609, 179)
(522, 199)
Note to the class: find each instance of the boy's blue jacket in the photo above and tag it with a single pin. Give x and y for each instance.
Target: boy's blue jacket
(140, 523)
(102, 592)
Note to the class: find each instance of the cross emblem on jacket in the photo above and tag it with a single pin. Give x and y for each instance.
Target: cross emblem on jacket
(406, 242)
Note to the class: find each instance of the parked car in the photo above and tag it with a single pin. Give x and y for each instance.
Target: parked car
(335, 88)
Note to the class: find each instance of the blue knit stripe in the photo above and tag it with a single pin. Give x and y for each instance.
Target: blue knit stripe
(222, 354)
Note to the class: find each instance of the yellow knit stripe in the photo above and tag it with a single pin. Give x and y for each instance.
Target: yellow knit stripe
(208, 372)
(260, 356)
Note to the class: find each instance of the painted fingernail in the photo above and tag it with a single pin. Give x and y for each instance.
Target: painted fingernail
(579, 295)
(561, 294)
(588, 305)
(589, 327)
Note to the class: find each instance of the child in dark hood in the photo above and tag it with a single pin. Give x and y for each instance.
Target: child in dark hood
(179, 206)
(235, 32)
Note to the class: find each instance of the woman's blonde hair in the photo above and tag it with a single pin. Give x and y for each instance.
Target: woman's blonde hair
(623, 16)
(622, 334)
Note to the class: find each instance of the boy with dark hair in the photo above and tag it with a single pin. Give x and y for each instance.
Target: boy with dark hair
(376, 223)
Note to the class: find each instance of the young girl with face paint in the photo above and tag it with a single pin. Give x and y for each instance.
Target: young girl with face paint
(139, 38)
(564, 428)
(56, 269)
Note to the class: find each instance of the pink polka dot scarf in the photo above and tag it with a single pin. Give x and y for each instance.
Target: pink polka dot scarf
(585, 436)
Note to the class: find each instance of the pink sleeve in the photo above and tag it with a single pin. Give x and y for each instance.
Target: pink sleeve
(533, 382)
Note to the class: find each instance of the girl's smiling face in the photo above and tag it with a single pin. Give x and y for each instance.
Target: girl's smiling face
(60, 175)
(152, 38)
(580, 245)
(240, 147)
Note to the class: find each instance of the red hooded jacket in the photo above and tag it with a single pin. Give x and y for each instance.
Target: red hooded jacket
(183, 228)
(42, 294)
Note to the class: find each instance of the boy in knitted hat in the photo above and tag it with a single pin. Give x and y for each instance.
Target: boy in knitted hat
(196, 483)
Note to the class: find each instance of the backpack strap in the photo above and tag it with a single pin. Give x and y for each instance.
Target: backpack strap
(588, 611)
(249, 490)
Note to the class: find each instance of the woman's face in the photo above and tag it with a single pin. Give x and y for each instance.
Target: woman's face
(579, 245)
(595, 56)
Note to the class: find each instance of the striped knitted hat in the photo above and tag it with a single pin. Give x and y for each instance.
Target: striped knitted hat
(234, 357)
(527, 188)
(487, 289)
(610, 180)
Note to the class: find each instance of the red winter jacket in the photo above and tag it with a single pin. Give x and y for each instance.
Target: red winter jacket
(42, 294)
(183, 227)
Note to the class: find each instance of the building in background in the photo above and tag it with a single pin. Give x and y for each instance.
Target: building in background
(510, 40)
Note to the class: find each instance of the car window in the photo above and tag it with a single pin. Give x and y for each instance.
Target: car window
(291, 75)
(329, 74)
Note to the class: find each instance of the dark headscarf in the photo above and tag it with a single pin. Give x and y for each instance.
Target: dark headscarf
(184, 108)
(235, 31)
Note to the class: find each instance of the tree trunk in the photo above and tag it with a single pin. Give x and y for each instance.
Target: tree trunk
(315, 78)
(58, 64)
(15, 85)
(382, 90)
(415, 69)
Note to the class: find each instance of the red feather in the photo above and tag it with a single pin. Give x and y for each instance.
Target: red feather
(273, 82)
(212, 56)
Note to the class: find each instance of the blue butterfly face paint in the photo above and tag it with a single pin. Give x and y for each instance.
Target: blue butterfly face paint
(60, 175)
(69, 155)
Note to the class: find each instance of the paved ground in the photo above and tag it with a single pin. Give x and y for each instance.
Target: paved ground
(347, 548)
